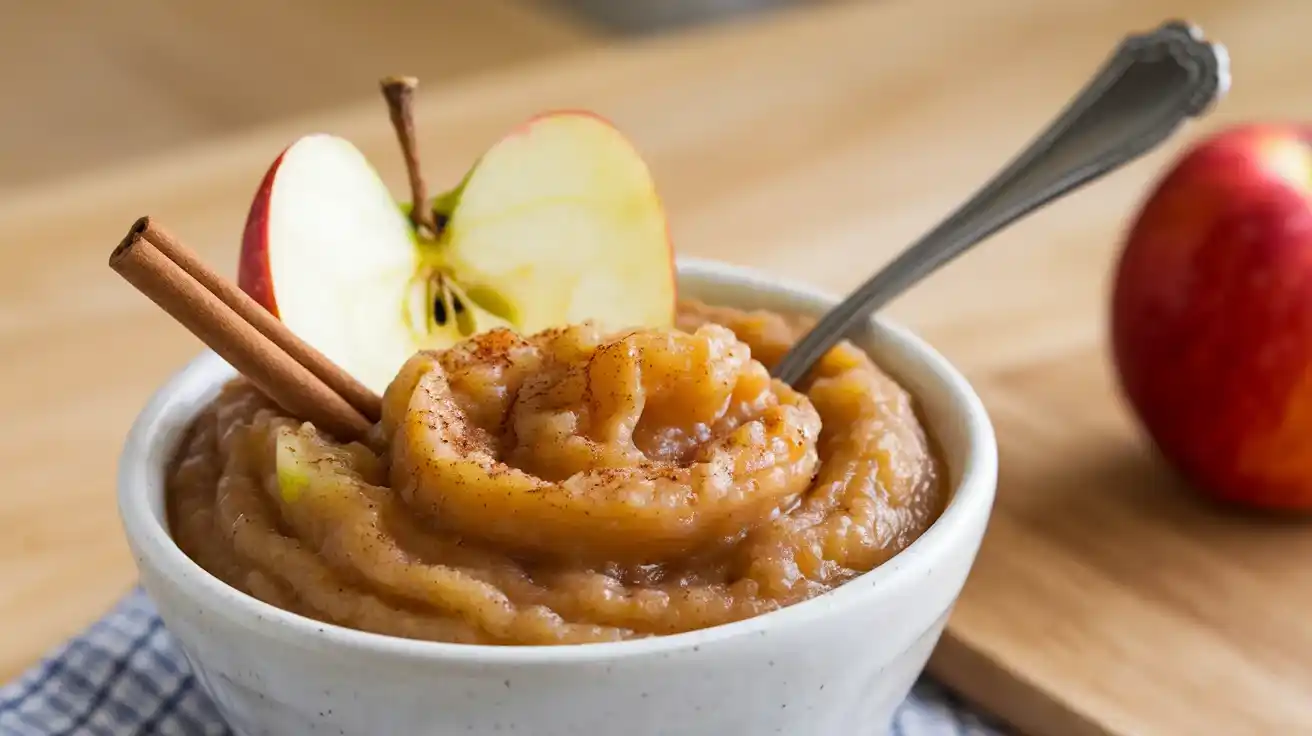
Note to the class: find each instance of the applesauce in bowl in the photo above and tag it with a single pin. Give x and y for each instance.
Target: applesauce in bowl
(567, 487)
(802, 643)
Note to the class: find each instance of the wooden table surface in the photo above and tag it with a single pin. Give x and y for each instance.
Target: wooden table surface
(813, 144)
(193, 71)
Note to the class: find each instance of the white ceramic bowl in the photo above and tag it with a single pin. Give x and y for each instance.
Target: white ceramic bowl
(837, 665)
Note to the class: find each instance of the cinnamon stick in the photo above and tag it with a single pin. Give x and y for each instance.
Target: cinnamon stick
(399, 93)
(344, 384)
(255, 356)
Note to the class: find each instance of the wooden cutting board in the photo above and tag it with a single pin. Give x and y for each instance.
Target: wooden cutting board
(1106, 599)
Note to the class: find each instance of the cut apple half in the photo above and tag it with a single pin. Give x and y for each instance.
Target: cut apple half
(558, 223)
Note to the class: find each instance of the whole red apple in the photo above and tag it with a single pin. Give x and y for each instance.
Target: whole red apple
(1211, 319)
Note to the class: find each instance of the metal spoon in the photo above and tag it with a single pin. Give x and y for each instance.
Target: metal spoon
(1152, 84)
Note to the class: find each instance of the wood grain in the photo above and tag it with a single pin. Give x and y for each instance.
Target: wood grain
(1106, 600)
(91, 83)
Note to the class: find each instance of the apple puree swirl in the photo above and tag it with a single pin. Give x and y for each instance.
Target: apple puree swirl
(568, 486)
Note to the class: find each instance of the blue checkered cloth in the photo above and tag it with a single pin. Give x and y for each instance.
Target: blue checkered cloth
(123, 676)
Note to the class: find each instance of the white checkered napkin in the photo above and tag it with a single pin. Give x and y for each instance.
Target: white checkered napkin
(124, 677)
(120, 676)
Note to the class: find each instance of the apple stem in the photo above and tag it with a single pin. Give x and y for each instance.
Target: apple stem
(400, 92)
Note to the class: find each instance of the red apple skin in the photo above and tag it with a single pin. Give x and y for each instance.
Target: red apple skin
(253, 274)
(1211, 316)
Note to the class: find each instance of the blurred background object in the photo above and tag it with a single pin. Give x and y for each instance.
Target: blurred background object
(92, 83)
(649, 16)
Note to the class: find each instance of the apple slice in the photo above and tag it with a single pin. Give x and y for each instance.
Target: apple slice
(559, 222)
(327, 250)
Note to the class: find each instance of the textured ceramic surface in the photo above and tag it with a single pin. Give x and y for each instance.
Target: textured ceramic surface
(837, 665)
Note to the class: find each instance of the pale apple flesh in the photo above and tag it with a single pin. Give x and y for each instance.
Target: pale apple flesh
(327, 250)
(557, 223)
(561, 219)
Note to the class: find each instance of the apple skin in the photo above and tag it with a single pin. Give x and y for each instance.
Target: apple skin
(1211, 316)
(253, 275)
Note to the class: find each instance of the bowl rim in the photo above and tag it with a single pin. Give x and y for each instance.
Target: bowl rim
(198, 381)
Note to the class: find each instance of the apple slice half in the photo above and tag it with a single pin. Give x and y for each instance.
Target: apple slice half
(559, 222)
(327, 250)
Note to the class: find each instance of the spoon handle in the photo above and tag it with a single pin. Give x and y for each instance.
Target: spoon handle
(1152, 84)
